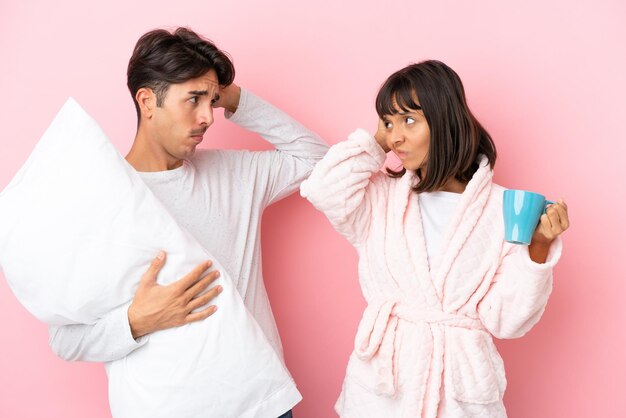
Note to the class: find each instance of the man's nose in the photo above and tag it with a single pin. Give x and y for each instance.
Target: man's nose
(206, 116)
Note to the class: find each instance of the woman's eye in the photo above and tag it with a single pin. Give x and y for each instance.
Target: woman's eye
(388, 125)
(410, 121)
(194, 99)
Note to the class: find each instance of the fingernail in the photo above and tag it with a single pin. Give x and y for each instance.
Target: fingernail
(161, 255)
(219, 289)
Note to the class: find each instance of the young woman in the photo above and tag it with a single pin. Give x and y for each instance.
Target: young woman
(438, 277)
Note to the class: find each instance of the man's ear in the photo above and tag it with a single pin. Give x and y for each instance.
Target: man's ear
(147, 102)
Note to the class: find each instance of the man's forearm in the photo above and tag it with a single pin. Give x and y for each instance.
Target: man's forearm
(278, 128)
(106, 340)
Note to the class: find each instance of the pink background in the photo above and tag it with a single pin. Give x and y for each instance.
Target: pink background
(545, 77)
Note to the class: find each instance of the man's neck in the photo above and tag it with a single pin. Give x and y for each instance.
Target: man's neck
(145, 157)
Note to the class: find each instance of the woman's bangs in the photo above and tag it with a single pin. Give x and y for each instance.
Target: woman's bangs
(395, 97)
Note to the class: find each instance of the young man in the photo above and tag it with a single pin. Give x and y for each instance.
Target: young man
(176, 80)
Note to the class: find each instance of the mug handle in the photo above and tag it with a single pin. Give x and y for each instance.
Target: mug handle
(548, 202)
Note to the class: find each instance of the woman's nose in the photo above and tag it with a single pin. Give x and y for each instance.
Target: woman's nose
(397, 136)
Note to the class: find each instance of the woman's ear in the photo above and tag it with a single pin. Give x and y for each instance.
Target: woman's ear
(147, 102)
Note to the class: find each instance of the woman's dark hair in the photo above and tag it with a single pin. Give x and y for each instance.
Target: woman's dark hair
(161, 58)
(456, 137)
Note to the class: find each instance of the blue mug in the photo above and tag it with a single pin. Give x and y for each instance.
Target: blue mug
(522, 211)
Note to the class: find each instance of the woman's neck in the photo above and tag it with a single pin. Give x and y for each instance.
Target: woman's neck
(453, 186)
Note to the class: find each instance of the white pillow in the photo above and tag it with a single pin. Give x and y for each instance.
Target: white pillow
(78, 228)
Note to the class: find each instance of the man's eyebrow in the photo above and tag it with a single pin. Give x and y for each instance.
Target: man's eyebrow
(198, 92)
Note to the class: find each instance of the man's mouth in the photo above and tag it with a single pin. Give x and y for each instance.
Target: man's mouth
(198, 136)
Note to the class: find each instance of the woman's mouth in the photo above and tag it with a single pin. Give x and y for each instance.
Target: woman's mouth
(401, 154)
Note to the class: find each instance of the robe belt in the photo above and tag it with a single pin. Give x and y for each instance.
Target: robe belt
(375, 338)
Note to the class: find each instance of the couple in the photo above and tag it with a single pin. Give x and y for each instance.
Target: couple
(438, 277)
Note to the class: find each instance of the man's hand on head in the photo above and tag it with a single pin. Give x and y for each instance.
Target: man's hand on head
(229, 97)
(157, 307)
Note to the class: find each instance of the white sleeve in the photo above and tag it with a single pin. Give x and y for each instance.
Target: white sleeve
(297, 148)
(106, 340)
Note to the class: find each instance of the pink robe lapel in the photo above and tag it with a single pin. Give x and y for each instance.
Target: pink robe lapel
(464, 220)
(405, 236)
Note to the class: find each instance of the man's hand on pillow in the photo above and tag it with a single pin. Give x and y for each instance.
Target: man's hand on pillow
(157, 307)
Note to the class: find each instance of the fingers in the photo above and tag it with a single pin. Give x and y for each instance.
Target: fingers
(201, 285)
(192, 277)
(199, 316)
(555, 221)
(204, 298)
(558, 214)
(381, 135)
(546, 226)
(200, 301)
(149, 277)
(561, 215)
(229, 97)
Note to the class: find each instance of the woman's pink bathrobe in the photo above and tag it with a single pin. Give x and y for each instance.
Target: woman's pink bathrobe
(424, 346)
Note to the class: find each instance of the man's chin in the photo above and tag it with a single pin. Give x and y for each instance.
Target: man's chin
(188, 153)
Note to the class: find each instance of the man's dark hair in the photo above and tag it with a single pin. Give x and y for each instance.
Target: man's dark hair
(456, 136)
(161, 58)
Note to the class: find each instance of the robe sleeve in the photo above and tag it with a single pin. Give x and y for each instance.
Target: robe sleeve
(340, 184)
(519, 292)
